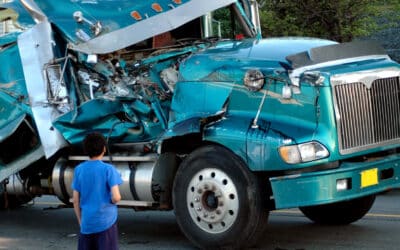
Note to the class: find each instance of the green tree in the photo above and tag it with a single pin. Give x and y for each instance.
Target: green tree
(339, 20)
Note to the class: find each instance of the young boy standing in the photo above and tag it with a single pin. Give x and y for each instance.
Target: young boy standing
(95, 194)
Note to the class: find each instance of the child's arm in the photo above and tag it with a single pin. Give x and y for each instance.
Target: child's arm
(77, 207)
(115, 194)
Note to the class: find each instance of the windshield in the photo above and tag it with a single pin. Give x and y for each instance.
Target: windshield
(228, 23)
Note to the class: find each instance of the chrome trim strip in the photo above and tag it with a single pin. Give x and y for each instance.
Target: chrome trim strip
(133, 203)
(116, 158)
(366, 77)
(295, 74)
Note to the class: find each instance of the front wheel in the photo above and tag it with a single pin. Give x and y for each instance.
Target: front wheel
(218, 202)
(339, 213)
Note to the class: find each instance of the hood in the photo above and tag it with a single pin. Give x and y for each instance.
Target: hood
(102, 26)
(228, 60)
(268, 54)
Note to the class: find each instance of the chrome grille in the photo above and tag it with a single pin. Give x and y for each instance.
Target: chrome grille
(367, 115)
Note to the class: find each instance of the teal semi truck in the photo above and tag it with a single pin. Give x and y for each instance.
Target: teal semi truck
(201, 114)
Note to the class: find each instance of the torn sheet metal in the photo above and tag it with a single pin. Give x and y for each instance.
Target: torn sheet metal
(99, 115)
(147, 27)
(35, 47)
(21, 163)
(193, 100)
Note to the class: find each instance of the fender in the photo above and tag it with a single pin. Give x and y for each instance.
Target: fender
(258, 147)
(231, 133)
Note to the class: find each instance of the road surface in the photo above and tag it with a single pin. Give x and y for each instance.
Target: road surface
(44, 224)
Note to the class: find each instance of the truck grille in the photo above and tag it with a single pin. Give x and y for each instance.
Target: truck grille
(368, 115)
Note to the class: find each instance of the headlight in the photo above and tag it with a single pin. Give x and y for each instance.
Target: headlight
(304, 152)
(254, 79)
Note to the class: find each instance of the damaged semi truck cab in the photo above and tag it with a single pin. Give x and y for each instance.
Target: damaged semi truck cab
(201, 114)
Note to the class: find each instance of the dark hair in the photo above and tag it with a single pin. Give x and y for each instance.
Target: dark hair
(94, 144)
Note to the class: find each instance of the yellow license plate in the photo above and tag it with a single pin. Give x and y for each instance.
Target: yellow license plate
(369, 177)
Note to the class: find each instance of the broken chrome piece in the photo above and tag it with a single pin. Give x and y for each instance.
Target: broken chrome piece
(96, 27)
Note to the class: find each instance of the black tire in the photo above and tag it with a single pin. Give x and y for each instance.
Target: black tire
(340, 213)
(218, 202)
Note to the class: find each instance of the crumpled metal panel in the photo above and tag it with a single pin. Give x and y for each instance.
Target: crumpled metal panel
(10, 125)
(95, 115)
(13, 95)
(35, 47)
(140, 19)
(21, 163)
(194, 99)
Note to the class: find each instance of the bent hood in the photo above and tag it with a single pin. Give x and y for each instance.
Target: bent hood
(104, 26)
(294, 55)
(236, 56)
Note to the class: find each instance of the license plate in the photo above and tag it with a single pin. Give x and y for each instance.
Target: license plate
(369, 177)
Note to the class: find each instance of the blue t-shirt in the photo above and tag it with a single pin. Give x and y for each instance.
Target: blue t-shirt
(93, 180)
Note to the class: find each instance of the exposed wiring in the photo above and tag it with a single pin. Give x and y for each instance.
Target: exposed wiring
(108, 138)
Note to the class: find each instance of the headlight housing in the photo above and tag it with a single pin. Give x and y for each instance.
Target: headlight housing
(254, 80)
(305, 152)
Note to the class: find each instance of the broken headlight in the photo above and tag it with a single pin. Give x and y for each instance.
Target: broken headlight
(304, 152)
(254, 79)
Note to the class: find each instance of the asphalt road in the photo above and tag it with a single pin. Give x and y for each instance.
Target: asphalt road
(44, 225)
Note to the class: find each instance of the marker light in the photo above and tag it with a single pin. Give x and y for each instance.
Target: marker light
(343, 184)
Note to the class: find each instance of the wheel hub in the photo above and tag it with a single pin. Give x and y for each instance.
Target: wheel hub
(212, 200)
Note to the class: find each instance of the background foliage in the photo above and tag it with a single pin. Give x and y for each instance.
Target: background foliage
(339, 20)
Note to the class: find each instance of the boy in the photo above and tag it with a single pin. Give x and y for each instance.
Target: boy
(95, 194)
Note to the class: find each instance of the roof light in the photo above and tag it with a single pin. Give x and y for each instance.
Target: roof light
(156, 7)
(136, 15)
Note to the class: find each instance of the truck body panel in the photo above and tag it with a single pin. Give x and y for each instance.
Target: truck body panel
(201, 114)
(321, 187)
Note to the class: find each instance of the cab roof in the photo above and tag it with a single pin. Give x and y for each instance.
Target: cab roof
(122, 22)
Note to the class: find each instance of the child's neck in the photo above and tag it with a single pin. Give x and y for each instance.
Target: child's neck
(98, 157)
